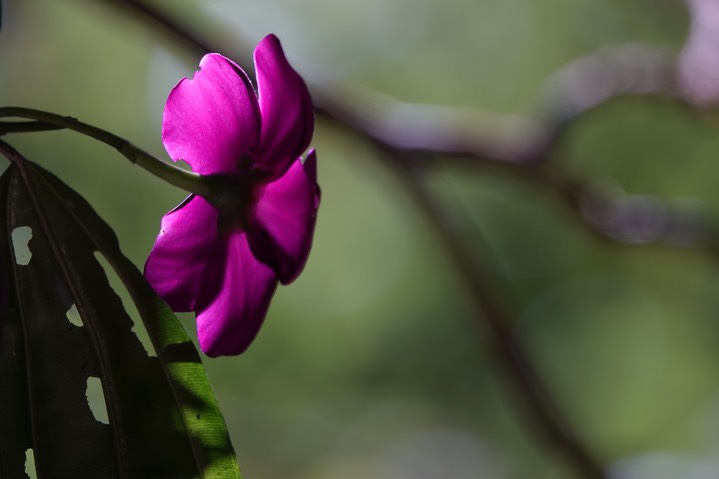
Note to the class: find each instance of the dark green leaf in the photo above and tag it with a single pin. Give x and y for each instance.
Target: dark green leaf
(15, 433)
(163, 418)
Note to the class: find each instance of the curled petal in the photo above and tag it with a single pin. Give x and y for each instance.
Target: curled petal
(233, 299)
(286, 106)
(284, 219)
(213, 119)
(176, 263)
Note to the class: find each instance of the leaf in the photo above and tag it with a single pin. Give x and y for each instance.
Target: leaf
(164, 420)
(15, 434)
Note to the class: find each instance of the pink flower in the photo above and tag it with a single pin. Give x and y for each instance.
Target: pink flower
(224, 264)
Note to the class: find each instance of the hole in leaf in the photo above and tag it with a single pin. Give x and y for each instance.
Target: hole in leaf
(74, 316)
(116, 284)
(30, 463)
(96, 399)
(20, 242)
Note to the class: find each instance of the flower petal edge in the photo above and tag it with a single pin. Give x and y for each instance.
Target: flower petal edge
(211, 120)
(286, 108)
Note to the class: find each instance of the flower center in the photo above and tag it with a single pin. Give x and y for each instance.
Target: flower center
(238, 192)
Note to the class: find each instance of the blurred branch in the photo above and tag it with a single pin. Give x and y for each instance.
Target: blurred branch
(520, 146)
(634, 220)
(467, 136)
(545, 416)
(423, 136)
(156, 17)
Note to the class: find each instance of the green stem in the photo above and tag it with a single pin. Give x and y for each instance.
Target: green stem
(31, 126)
(186, 180)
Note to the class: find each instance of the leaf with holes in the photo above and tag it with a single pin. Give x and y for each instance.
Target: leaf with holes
(65, 337)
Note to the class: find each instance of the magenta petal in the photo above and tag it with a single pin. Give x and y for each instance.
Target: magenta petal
(213, 119)
(234, 298)
(286, 106)
(175, 266)
(284, 219)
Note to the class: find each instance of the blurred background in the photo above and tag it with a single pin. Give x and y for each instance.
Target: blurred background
(373, 364)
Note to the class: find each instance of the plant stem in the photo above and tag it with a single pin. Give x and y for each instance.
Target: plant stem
(26, 127)
(186, 180)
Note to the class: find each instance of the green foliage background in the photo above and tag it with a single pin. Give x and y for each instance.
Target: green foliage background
(371, 364)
